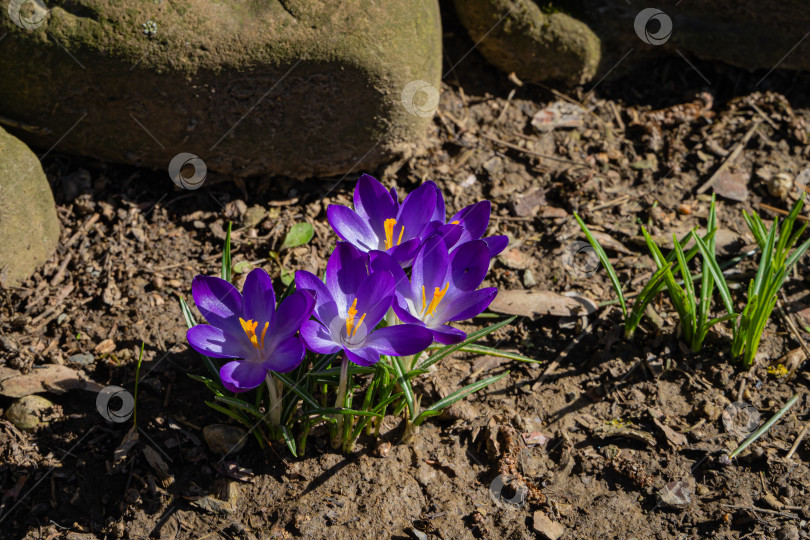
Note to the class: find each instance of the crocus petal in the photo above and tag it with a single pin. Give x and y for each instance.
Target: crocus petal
(400, 340)
(447, 335)
(287, 355)
(416, 210)
(258, 298)
(345, 271)
(405, 316)
(317, 338)
(429, 268)
(373, 202)
(365, 356)
(496, 244)
(217, 300)
(474, 219)
(438, 209)
(352, 228)
(405, 252)
(242, 375)
(325, 306)
(468, 305)
(451, 234)
(212, 341)
(292, 312)
(374, 297)
(382, 261)
(469, 264)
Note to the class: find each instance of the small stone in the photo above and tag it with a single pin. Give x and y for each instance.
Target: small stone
(419, 535)
(253, 216)
(81, 359)
(547, 528)
(675, 495)
(224, 439)
(105, 347)
(29, 412)
(528, 279)
(787, 532)
(780, 185)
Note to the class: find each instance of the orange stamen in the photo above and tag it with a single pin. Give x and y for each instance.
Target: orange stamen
(264, 331)
(249, 327)
(389, 225)
(438, 294)
(454, 222)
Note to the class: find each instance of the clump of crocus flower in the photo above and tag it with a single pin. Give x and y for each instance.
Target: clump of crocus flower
(400, 274)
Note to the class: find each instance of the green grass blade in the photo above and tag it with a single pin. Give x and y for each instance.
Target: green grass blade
(404, 384)
(614, 279)
(437, 407)
(295, 387)
(710, 264)
(471, 338)
(226, 256)
(480, 349)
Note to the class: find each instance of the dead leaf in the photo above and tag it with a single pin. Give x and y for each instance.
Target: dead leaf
(530, 303)
(48, 378)
(233, 470)
(560, 114)
(160, 466)
(516, 259)
(732, 185)
(105, 347)
(674, 438)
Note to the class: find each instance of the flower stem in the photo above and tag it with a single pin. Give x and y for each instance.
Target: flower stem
(340, 401)
(275, 400)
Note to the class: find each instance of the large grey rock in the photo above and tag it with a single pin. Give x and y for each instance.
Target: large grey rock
(289, 87)
(517, 36)
(575, 41)
(750, 34)
(27, 212)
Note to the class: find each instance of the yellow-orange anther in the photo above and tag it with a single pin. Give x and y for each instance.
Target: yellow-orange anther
(438, 294)
(454, 222)
(249, 327)
(389, 225)
(351, 328)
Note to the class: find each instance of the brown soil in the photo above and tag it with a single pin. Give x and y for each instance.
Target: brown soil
(623, 419)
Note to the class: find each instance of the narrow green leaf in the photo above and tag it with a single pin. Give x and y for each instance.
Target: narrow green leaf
(239, 404)
(614, 279)
(338, 410)
(480, 349)
(295, 387)
(288, 438)
(437, 407)
(404, 384)
(471, 338)
(226, 256)
(710, 263)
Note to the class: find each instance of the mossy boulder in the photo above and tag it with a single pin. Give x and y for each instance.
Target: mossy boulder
(517, 36)
(27, 212)
(287, 87)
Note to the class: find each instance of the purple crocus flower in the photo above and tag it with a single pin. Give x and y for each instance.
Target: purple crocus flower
(442, 287)
(247, 327)
(379, 222)
(350, 304)
(473, 219)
